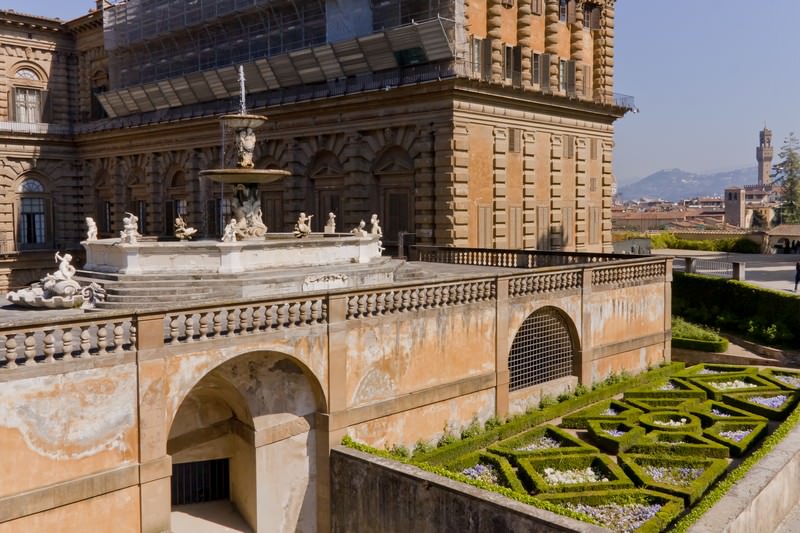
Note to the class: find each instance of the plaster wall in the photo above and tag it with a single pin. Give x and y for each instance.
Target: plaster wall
(58, 427)
(120, 508)
(616, 312)
(428, 423)
(396, 355)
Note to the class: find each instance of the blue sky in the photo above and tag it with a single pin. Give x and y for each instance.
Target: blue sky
(707, 75)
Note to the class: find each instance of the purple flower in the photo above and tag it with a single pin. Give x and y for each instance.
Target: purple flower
(773, 402)
(623, 518)
(735, 435)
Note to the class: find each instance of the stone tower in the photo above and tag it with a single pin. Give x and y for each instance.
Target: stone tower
(764, 156)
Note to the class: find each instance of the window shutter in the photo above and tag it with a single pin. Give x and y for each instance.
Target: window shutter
(486, 60)
(12, 104)
(536, 7)
(586, 89)
(46, 112)
(545, 70)
(571, 78)
(169, 217)
(571, 11)
(517, 53)
(595, 20)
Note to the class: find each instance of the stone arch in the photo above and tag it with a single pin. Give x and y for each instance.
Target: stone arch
(253, 415)
(545, 348)
(393, 170)
(325, 186)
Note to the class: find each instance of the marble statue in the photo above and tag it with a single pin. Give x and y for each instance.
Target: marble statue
(376, 226)
(58, 290)
(245, 145)
(247, 211)
(230, 232)
(91, 229)
(182, 231)
(130, 232)
(302, 227)
(360, 231)
(330, 226)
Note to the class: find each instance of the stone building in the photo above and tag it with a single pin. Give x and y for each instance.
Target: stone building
(483, 124)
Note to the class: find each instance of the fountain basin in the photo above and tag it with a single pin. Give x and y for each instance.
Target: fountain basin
(276, 251)
(244, 175)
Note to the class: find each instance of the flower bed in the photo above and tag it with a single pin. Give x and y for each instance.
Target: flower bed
(670, 388)
(662, 404)
(711, 412)
(716, 386)
(711, 369)
(738, 436)
(571, 473)
(488, 468)
(611, 411)
(784, 378)
(688, 478)
(671, 421)
(624, 511)
(775, 405)
(679, 443)
(545, 440)
(614, 437)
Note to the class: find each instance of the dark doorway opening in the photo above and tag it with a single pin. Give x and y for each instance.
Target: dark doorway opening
(199, 482)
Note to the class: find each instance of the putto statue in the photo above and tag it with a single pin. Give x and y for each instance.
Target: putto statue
(330, 226)
(376, 226)
(58, 290)
(182, 231)
(247, 211)
(130, 232)
(230, 232)
(91, 229)
(301, 227)
(360, 231)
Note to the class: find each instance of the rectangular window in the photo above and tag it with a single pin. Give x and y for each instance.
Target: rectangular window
(32, 221)
(595, 225)
(485, 227)
(591, 16)
(476, 49)
(562, 75)
(536, 64)
(562, 10)
(542, 228)
(508, 62)
(514, 140)
(515, 227)
(569, 146)
(27, 105)
(567, 225)
(536, 7)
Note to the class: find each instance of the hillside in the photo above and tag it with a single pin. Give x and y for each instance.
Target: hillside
(676, 184)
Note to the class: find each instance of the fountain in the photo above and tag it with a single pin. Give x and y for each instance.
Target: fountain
(246, 247)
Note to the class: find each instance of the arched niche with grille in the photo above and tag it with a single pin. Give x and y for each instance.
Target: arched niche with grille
(544, 349)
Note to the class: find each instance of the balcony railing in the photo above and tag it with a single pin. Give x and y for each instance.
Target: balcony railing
(625, 101)
(509, 258)
(34, 128)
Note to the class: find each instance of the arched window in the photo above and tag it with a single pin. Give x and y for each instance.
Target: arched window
(27, 97)
(34, 214)
(543, 350)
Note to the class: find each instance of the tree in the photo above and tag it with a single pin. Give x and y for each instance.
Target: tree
(787, 171)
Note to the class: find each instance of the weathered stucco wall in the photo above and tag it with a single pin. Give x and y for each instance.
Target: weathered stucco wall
(372, 494)
(62, 426)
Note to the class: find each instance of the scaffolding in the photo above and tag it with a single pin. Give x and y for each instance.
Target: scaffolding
(152, 40)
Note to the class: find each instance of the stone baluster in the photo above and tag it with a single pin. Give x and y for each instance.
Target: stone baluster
(11, 351)
(294, 315)
(231, 323)
(174, 329)
(49, 345)
(189, 328)
(271, 316)
(203, 326)
(119, 337)
(283, 312)
(66, 343)
(86, 343)
(132, 336)
(102, 339)
(217, 323)
(316, 311)
(244, 320)
(30, 348)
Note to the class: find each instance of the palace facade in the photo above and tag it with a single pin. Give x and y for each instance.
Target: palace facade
(484, 123)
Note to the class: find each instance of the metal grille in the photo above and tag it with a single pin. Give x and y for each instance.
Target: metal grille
(199, 482)
(542, 350)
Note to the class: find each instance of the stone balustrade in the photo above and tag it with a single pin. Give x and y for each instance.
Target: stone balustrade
(509, 258)
(49, 341)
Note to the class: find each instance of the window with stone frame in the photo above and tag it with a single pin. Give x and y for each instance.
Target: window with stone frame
(33, 229)
(28, 102)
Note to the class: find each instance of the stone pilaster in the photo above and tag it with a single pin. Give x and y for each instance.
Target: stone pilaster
(608, 184)
(358, 182)
(499, 189)
(581, 179)
(576, 51)
(524, 22)
(556, 185)
(424, 184)
(551, 40)
(494, 23)
(452, 189)
(529, 189)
